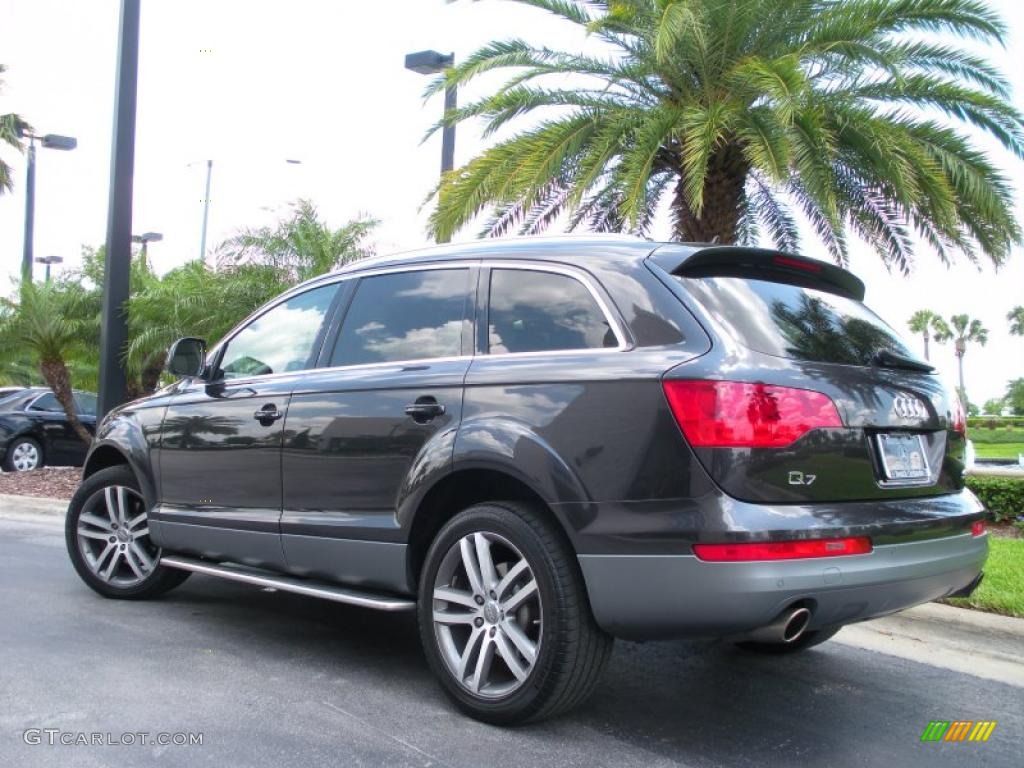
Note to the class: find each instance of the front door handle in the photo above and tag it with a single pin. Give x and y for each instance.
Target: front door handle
(424, 409)
(267, 415)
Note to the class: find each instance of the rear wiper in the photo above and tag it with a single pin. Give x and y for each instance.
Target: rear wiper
(885, 358)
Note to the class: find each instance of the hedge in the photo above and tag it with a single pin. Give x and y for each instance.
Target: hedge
(995, 422)
(1003, 497)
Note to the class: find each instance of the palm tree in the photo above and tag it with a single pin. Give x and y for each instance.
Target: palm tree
(11, 130)
(191, 300)
(302, 245)
(742, 113)
(1016, 318)
(963, 330)
(52, 323)
(924, 321)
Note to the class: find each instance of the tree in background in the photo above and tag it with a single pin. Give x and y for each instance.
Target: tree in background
(963, 330)
(1015, 396)
(741, 113)
(52, 324)
(993, 406)
(1016, 318)
(301, 246)
(926, 322)
(11, 128)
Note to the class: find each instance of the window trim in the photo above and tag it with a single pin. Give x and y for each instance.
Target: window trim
(469, 312)
(484, 345)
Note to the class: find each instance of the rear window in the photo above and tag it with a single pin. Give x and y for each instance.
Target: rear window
(795, 322)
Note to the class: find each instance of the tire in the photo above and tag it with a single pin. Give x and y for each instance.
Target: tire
(22, 450)
(569, 649)
(802, 643)
(128, 567)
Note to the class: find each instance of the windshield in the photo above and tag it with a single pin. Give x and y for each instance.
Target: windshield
(795, 322)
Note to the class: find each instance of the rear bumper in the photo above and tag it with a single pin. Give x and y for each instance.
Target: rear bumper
(651, 596)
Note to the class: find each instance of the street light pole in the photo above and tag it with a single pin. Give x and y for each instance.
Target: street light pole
(49, 141)
(30, 212)
(431, 63)
(48, 260)
(206, 211)
(113, 325)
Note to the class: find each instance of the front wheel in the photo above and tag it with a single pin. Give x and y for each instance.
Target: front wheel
(504, 616)
(107, 536)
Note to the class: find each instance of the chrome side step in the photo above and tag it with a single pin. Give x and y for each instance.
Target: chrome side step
(246, 575)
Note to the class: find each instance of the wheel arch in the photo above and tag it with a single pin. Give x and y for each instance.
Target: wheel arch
(107, 454)
(462, 488)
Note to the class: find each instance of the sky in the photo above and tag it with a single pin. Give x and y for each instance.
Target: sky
(251, 84)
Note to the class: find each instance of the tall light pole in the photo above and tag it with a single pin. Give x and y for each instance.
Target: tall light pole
(48, 260)
(49, 141)
(145, 239)
(206, 203)
(113, 323)
(431, 63)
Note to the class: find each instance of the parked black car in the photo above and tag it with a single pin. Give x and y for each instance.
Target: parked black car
(35, 432)
(542, 444)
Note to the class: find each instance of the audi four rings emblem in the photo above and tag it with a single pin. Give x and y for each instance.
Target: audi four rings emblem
(909, 407)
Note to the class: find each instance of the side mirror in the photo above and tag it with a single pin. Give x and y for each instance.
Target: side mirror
(187, 357)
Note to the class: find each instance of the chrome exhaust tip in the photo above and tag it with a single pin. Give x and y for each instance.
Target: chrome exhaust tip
(787, 627)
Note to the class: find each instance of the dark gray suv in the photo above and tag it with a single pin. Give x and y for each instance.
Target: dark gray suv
(540, 444)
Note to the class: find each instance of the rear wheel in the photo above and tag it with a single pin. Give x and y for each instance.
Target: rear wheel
(504, 616)
(23, 454)
(802, 643)
(107, 536)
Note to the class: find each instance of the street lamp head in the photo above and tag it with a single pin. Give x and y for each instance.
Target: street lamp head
(428, 62)
(148, 237)
(50, 259)
(55, 141)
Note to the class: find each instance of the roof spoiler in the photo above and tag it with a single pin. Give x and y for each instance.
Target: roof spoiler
(758, 263)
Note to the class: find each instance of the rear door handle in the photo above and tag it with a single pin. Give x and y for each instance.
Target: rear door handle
(424, 409)
(267, 415)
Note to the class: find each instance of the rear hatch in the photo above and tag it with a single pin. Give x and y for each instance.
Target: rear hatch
(807, 395)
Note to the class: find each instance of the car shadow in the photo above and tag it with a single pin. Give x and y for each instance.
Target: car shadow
(694, 702)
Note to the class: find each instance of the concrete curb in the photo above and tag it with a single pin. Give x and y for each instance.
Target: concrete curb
(39, 505)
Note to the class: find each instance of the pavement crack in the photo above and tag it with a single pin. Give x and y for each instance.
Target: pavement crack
(390, 736)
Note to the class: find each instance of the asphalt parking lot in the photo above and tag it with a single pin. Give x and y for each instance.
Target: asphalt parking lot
(273, 679)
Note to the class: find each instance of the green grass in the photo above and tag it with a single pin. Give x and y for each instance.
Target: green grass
(996, 435)
(1002, 589)
(997, 450)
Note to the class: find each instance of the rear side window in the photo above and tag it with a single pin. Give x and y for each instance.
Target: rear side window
(535, 311)
(85, 403)
(404, 316)
(47, 402)
(795, 322)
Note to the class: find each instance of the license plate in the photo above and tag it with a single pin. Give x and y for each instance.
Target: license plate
(903, 457)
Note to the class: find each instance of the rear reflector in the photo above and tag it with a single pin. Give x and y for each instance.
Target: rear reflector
(782, 550)
(978, 528)
(732, 414)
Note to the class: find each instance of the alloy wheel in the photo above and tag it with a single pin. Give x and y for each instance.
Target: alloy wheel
(113, 536)
(25, 457)
(487, 615)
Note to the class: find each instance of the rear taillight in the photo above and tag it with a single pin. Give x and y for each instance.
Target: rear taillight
(732, 414)
(978, 528)
(782, 550)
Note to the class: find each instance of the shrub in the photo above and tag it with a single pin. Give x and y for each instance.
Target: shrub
(995, 422)
(1002, 496)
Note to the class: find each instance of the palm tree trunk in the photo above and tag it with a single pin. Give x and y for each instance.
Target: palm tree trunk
(55, 374)
(960, 364)
(926, 346)
(723, 201)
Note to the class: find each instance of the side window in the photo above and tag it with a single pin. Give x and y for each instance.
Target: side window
(281, 339)
(534, 311)
(85, 403)
(404, 316)
(47, 402)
